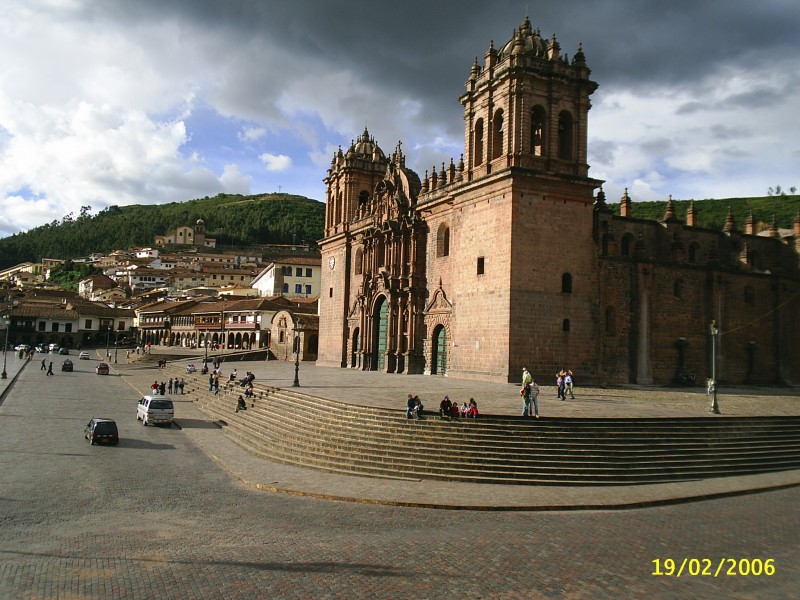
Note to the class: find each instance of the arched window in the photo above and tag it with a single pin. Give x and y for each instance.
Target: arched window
(379, 252)
(566, 283)
(363, 197)
(565, 325)
(443, 240)
(754, 260)
(611, 320)
(497, 134)
(359, 261)
(626, 247)
(285, 288)
(477, 143)
(677, 288)
(565, 134)
(694, 253)
(749, 295)
(537, 130)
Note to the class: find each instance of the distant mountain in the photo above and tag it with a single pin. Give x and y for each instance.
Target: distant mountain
(236, 220)
(233, 219)
(712, 213)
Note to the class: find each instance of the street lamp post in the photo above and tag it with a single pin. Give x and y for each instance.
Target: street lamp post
(7, 321)
(108, 342)
(296, 360)
(116, 345)
(712, 384)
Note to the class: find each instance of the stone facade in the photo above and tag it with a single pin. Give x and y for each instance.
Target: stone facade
(509, 258)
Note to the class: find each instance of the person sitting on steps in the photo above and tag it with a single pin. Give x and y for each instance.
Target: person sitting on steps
(444, 407)
(241, 404)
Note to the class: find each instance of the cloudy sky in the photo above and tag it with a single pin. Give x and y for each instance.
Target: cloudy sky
(107, 102)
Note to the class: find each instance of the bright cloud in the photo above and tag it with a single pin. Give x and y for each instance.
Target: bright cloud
(120, 102)
(276, 162)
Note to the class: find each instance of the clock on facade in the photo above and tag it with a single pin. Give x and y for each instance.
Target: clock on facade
(332, 262)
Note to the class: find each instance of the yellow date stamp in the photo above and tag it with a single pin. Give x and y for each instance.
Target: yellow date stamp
(707, 567)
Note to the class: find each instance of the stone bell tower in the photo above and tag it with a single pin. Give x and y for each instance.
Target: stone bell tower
(527, 107)
(350, 182)
(518, 274)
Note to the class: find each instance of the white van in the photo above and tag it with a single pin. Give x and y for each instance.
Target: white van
(157, 410)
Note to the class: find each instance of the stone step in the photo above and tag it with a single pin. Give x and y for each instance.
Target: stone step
(508, 464)
(297, 429)
(532, 439)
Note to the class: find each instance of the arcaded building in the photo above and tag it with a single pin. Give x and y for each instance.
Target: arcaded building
(510, 256)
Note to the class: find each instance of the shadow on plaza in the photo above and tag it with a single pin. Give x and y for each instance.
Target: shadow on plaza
(195, 424)
(130, 443)
(293, 567)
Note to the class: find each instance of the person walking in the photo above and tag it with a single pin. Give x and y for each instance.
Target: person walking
(568, 386)
(534, 394)
(44, 365)
(525, 392)
(50, 368)
(181, 383)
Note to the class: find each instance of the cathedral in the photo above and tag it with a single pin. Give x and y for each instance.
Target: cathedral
(510, 257)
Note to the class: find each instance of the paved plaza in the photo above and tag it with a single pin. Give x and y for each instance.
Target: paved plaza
(168, 514)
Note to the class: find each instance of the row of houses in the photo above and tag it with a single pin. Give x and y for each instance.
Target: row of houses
(287, 327)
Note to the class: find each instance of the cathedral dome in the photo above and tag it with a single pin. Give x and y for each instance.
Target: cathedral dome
(366, 146)
(525, 41)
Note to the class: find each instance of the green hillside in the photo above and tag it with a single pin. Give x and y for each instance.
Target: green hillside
(233, 219)
(712, 213)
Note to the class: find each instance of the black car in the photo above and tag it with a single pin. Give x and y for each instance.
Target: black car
(100, 430)
(63, 350)
(67, 365)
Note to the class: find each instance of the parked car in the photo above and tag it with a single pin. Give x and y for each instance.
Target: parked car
(53, 347)
(101, 368)
(84, 355)
(157, 410)
(23, 347)
(100, 430)
(67, 365)
(63, 350)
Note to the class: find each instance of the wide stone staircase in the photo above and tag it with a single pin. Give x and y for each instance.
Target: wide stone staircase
(290, 427)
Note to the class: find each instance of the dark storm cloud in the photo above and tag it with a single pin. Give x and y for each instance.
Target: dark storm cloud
(424, 49)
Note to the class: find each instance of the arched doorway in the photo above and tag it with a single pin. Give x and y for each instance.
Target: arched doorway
(439, 351)
(354, 349)
(380, 330)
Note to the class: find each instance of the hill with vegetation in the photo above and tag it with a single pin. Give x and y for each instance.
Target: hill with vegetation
(233, 219)
(713, 212)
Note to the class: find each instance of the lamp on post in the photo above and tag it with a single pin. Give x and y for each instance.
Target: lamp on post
(223, 343)
(296, 354)
(108, 341)
(7, 322)
(712, 383)
(116, 345)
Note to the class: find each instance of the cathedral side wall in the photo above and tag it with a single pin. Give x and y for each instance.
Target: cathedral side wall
(479, 229)
(554, 326)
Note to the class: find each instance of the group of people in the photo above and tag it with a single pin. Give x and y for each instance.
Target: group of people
(48, 369)
(452, 409)
(564, 384)
(173, 386)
